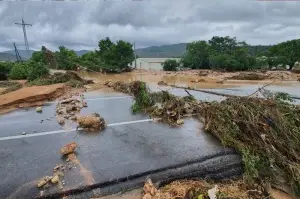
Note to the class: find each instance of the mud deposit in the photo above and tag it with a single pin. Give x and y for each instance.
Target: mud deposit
(30, 96)
(194, 78)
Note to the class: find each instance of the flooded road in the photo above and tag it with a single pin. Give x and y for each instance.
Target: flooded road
(193, 80)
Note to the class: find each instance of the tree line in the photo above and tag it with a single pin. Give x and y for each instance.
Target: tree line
(231, 55)
(109, 57)
(217, 53)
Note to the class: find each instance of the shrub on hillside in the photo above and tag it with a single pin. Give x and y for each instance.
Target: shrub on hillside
(37, 70)
(19, 71)
(170, 65)
(5, 68)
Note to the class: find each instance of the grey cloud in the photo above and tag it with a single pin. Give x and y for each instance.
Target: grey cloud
(81, 24)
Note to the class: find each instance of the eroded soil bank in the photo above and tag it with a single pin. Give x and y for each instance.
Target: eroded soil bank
(31, 96)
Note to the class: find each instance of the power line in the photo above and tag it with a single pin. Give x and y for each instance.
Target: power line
(19, 59)
(23, 24)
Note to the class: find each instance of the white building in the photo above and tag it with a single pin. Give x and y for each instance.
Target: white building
(151, 63)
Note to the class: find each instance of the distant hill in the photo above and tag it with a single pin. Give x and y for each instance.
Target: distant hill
(7, 57)
(173, 50)
(81, 52)
(23, 53)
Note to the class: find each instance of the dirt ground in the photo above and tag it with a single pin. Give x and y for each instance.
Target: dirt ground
(30, 96)
(193, 78)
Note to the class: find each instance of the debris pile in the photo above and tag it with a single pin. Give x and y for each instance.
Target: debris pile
(68, 108)
(192, 189)
(249, 76)
(162, 83)
(172, 109)
(260, 129)
(266, 133)
(59, 170)
(69, 148)
(91, 123)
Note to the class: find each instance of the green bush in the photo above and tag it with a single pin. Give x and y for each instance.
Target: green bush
(19, 71)
(5, 68)
(170, 65)
(37, 70)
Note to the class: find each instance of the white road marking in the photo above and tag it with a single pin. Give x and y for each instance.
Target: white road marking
(64, 131)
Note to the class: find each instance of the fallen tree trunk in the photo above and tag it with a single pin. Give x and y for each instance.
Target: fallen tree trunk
(204, 91)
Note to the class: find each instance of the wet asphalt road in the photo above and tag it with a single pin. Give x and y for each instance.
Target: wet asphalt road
(124, 149)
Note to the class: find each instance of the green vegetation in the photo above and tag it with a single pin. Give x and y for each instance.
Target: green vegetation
(170, 65)
(5, 68)
(219, 53)
(28, 70)
(232, 55)
(111, 57)
(19, 71)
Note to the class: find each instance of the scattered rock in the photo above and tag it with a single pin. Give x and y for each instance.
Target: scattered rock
(149, 187)
(91, 123)
(69, 148)
(73, 118)
(69, 108)
(39, 109)
(41, 183)
(23, 133)
(198, 80)
(180, 122)
(60, 120)
(162, 83)
(212, 193)
(84, 104)
(55, 179)
(57, 167)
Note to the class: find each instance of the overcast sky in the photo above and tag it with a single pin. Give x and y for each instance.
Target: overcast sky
(81, 24)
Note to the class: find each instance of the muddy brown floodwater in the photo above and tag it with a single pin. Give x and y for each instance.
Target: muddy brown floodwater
(186, 78)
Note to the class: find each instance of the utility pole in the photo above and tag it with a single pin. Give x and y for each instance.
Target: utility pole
(19, 59)
(134, 55)
(23, 24)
